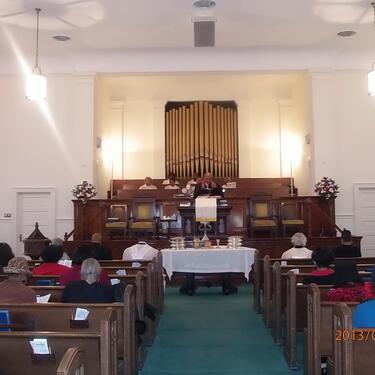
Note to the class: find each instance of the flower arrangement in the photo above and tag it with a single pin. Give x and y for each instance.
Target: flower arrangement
(326, 188)
(84, 191)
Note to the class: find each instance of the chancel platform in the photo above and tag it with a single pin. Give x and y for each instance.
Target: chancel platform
(259, 208)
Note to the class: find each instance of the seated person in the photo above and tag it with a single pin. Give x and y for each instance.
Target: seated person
(323, 275)
(50, 256)
(13, 289)
(59, 242)
(140, 251)
(6, 254)
(347, 249)
(83, 252)
(172, 184)
(229, 184)
(171, 176)
(299, 250)
(194, 180)
(348, 284)
(99, 251)
(88, 289)
(207, 186)
(148, 184)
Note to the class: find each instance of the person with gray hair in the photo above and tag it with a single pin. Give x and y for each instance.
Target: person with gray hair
(299, 249)
(88, 289)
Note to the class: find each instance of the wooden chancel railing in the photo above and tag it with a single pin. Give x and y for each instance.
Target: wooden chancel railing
(200, 137)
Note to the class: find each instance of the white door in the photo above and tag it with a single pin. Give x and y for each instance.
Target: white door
(34, 207)
(364, 196)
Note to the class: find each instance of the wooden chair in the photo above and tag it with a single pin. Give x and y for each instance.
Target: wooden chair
(143, 217)
(262, 216)
(117, 220)
(291, 216)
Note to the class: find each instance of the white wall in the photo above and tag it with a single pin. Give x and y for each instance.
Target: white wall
(259, 98)
(45, 146)
(344, 131)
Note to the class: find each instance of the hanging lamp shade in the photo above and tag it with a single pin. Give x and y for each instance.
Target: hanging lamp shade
(36, 86)
(371, 81)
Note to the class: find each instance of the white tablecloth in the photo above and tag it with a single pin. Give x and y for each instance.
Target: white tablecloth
(208, 261)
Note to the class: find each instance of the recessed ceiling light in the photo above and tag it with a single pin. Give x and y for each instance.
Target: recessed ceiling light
(346, 33)
(204, 3)
(61, 38)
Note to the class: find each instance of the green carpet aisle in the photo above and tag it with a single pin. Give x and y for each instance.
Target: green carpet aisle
(209, 334)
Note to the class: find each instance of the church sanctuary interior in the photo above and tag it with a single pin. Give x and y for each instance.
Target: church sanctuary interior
(187, 187)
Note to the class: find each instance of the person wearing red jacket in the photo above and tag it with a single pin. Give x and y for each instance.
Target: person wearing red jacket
(83, 252)
(50, 266)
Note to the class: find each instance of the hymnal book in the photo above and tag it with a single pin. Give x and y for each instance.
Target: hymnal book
(43, 299)
(4, 319)
(40, 346)
(81, 314)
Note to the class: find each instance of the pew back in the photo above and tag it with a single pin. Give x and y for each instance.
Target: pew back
(98, 342)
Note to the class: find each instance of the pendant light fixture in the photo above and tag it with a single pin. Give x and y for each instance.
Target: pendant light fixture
(371, 73)
(36, 88)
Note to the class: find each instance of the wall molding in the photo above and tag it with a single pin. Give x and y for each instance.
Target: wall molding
(345, 215)
(64, 219)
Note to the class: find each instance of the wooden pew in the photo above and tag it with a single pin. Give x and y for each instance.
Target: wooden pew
(157, 274)
(263, 266)
(39, 315)
(97, 341)
(353, 349)
(276, 285)
(295, 312)
(73, 363)
(146, 291)
(320, 337)
(293, 306)
(123, 330)
(267, 285)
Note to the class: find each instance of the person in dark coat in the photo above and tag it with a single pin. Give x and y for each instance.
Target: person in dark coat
(347, 249)
(323, 275)
(88, 289)
(207, 186)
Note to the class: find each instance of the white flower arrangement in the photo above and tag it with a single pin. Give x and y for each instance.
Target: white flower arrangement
(84, 191)
(326, 188)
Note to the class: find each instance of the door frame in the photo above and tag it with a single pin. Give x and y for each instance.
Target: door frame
(358, 186)
(17, 191)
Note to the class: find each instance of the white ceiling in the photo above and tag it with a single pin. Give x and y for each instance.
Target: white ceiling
(118, 35)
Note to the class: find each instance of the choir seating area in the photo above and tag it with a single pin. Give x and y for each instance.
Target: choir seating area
(250, 208)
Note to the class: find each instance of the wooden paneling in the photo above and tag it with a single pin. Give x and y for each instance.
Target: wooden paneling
(90, 218)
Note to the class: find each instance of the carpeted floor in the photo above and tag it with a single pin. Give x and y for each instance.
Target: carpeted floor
(210, 333)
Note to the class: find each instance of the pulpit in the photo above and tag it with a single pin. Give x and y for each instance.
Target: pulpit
(190, 226)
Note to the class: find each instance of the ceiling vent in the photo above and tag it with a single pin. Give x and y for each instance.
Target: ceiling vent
(204, 3)
(204, 32)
